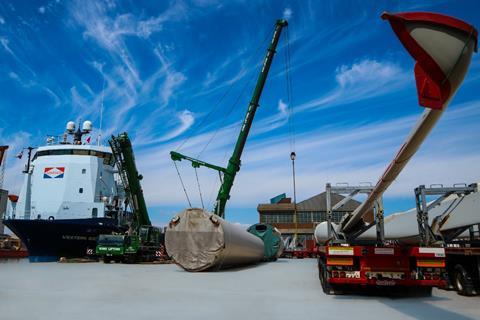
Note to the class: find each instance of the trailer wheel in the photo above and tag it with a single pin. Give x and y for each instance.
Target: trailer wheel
(462, 281)
(106, 260)
(323, 275)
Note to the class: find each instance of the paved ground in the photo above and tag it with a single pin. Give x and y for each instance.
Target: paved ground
(286, 289)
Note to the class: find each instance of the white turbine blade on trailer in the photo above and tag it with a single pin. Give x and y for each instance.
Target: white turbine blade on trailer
(403, 226)
(465, 212)
(452, 213)
(442, 47)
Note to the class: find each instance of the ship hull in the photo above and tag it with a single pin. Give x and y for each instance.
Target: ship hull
(49, 240)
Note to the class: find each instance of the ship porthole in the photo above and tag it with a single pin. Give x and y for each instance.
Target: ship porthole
(51, 218)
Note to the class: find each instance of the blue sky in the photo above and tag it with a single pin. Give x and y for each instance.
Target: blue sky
(164, 66)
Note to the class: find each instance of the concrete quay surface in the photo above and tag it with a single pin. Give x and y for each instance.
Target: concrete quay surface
(286, 289)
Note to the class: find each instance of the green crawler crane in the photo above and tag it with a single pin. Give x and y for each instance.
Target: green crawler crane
(143, 242)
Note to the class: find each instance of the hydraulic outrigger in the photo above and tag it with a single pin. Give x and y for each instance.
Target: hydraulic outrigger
(234, 163)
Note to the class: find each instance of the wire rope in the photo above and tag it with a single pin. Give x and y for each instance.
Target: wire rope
(183, 185)
(229, 89)
(199, 189)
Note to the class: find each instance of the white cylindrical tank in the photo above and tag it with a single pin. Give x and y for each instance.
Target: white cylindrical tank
(198, 240)
(321, 232)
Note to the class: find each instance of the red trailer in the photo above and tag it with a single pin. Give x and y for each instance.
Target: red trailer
(359, 267)
(353, 264)
(307, 251)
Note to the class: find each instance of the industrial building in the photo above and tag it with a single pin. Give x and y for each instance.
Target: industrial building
(310, 212)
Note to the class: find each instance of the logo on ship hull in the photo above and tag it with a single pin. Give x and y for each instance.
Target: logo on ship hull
(53, 173)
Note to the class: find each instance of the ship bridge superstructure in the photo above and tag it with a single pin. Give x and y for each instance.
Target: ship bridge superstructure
(71, 180)
(68, 181)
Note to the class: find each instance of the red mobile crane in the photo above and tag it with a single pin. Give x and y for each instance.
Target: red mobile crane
(442, 47)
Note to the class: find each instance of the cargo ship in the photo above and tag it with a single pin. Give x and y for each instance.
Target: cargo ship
(71, 194)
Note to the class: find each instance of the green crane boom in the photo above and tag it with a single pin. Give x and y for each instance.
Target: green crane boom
(125, 160)
(234, 163)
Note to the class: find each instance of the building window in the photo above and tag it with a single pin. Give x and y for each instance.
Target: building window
(80, 190)
(84, 171)
(276, 217)
(337, 216)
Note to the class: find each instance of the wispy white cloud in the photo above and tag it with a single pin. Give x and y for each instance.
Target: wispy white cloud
(34, 85)
(233, 69)
(124, 87)
(366, 71)
(287, 13)
(2, 20)
(186, 119)
(208, 3)
(361, 80)
(172, 78)
(5, 44)
(12, 75)
(109, 32)
(180, 124)
(282, 107)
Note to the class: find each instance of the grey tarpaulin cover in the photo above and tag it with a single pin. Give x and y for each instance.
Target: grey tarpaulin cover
(198, 240)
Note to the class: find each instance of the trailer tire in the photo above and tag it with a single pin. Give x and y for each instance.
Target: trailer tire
(106, 260)
(327, 287)
(462, 281)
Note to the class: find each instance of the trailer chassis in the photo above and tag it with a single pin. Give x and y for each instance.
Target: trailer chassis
(348, 264)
